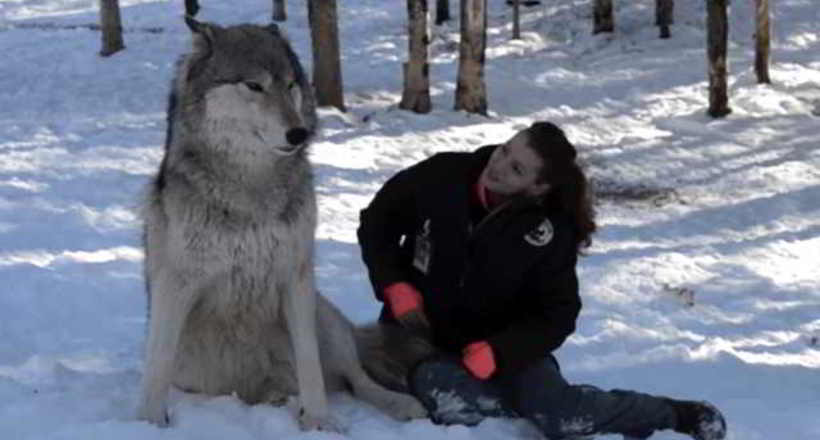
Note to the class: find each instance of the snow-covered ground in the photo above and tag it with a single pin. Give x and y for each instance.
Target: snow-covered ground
(703, 282)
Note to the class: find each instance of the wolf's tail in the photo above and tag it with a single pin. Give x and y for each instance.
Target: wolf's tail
(388, 352)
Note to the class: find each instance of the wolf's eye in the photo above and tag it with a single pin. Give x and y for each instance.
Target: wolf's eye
(254, 86)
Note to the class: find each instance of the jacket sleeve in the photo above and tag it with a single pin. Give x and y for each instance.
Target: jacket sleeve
(382, 225)
(556, 305)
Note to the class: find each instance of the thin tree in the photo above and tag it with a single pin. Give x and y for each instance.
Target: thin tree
(717, 28)
(111, 27)
(516, 33)
(442, 11)
(664, 16)
(471, 93)
(416, 95)
(191, 7)
(279, 13)
(604, 20)
(762, 42)
(327, 66)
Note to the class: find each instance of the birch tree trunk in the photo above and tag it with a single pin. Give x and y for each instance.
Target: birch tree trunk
(516, 34)
(416, 95)
(717, 28)
(442, 11)
(763, 42)
(279, 12)
(664, 16)
(111, 27)
(471, 93)
(327, 66)
(604, 20)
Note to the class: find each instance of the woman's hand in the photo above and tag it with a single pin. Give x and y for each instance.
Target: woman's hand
(407, 306)
(478, 358)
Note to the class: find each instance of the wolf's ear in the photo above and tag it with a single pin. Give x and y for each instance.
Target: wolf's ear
(276, 31)
(195, 26)
(203, 34)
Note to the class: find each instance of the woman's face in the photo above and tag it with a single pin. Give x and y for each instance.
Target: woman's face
(513, 169)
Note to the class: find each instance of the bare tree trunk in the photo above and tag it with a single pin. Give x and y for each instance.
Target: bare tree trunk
(111, 27)
(279, 12)
(604, 20)
(516, 20)
(442, 11)
(471, 93)
(717, 28)
(327, 66)
(416, 95)
(664, 16)
(191, 7)
(762, 39)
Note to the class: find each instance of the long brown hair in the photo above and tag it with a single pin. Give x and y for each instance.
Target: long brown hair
(570, 190)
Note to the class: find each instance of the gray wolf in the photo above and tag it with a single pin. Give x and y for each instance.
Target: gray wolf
(229, 227)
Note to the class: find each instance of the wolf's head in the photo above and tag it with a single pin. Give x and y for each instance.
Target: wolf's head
(243, 90)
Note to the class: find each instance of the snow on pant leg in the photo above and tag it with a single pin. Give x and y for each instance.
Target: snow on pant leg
(452, 395)
(560, 410)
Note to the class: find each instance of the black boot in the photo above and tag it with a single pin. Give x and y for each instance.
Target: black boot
(701, 420)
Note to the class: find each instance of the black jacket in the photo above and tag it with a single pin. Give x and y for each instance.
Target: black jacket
(502, 279)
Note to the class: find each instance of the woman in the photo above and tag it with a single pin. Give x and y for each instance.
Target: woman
(479, 251)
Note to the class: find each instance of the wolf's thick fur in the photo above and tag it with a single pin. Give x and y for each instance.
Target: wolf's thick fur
(229, 235)
(390, 351)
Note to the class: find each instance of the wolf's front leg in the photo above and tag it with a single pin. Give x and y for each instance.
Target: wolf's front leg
(300, 315)
(171, 301)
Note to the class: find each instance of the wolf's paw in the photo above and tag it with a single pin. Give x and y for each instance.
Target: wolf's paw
(404, 407)
(157, 415)
(311, 422)
(276, 398)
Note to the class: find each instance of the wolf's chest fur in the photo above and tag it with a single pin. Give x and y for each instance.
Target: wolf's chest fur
(250, 252)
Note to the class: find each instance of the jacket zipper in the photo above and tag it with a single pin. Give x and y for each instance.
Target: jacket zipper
(471, 233)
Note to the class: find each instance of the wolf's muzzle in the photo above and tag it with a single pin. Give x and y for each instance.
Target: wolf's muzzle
(296, 138)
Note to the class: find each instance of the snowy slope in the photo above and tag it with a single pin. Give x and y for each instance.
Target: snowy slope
(703, 281)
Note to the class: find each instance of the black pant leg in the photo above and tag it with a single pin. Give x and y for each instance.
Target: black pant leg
(561, 410)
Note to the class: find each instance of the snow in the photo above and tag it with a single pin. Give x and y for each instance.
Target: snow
(703, 281)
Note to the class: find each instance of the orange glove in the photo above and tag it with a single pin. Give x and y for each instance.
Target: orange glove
(402, 298)
(478, 358)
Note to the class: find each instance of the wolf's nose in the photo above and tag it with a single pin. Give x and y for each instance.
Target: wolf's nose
(296, 136)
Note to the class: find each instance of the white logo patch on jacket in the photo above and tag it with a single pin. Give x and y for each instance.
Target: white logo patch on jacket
(541, 235)
(423, 252)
